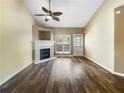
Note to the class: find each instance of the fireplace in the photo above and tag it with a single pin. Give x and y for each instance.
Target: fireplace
(44, 53)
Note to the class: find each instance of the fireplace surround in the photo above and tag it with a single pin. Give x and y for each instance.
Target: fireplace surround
(44, 51)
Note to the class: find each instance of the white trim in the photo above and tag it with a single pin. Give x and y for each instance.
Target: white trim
(115, 73)
(62, 52)
(79, 55)
(119, 74)
(45, 60)
(14, 74)
(63, 55)
(68, 55)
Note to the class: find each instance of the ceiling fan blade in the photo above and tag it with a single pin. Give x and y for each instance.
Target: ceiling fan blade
(57, 13)
(45, 10)
(40, 15)
(56, 18)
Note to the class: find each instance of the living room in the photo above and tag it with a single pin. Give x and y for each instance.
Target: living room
(78, 49)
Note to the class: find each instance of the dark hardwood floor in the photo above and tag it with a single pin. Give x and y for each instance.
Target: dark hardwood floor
(64, 75)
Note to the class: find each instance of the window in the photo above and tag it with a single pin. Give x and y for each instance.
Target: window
(77, 40)
(63, 44)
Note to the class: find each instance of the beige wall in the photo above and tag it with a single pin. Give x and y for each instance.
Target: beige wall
(68, 30)
(1, 66)
(119, 40)
(36, 29)
(16, 39)
(35, 32)
(99, 37)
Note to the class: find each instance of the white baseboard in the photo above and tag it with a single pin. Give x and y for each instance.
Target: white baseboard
(14, 74)
(45, 60)
(99, 64)
(57, 55)
(68, 55)
(78, 55)
(119, 74)
(115, 73)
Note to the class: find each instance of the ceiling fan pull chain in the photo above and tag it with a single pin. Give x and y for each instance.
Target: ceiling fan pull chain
(49, 4)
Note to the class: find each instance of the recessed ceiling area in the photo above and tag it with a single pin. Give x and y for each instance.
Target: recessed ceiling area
(76, 13)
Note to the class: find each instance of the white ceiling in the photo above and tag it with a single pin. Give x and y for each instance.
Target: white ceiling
(76, 13)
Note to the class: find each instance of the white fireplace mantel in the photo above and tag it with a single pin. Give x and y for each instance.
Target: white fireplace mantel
(43, 44)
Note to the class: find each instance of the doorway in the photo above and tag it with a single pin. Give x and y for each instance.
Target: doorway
(78, 44)
(119, 39)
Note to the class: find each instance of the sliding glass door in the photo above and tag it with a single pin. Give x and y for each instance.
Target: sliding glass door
(63, 44)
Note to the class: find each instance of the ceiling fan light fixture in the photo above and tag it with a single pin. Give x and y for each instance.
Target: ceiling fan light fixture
(48, 17)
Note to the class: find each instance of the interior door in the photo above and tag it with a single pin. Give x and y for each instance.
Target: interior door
(78, 44)
(119, 39)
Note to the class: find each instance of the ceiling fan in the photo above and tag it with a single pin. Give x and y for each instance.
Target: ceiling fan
(50, 14)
